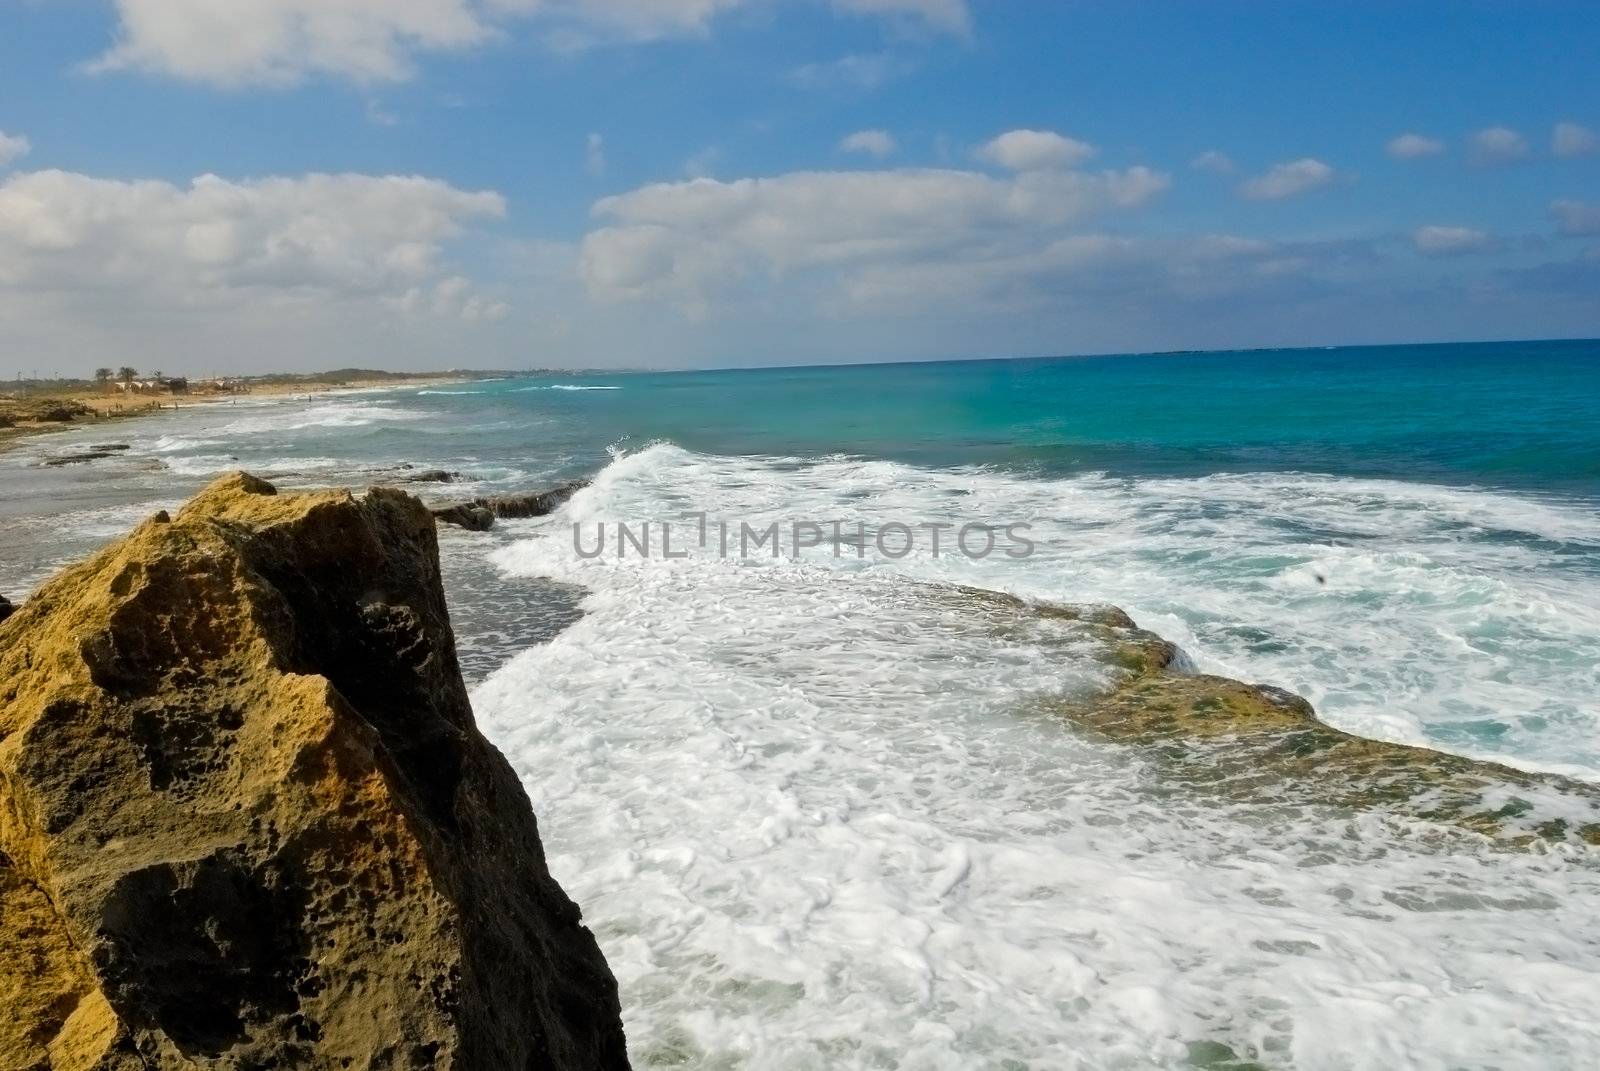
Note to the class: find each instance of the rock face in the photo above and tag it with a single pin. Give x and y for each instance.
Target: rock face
(246, 819)
(480, 514)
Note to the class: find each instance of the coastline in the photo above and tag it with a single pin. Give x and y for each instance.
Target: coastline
(105, 409)
(1190, 795)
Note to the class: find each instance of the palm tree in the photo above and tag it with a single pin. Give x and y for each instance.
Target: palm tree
(127, 375)
(102, 376)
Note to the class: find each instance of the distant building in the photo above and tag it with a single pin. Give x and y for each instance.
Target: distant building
(164, 385)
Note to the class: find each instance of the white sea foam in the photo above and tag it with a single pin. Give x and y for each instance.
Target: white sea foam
(172, 444)
(1444, 616)
(565, 386)
(814, 825)
(289, 416)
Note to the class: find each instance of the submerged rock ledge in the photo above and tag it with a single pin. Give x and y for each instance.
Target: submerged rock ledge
(247, 821)
(1258, 745)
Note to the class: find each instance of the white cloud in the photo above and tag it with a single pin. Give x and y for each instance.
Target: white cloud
(13, 147)
(280, 42)
(1570, 140)
(1413, 147)
(1288, 180)
(1035, 150)
(594, 155)
(1436, 241)
(949, 16)
(1214, 161)
(1497, 145)
(284, 42)
(221, 245)
(1580, 218)
(879, 143)
(687, 241)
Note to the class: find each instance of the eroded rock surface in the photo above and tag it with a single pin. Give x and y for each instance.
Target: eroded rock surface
(246, 820)
(1258, 745)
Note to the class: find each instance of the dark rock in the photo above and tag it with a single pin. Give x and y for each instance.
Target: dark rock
(79, 459)
(472, 517)
(433, 476)
(110, 446)
(247, 819)
(6, 609)
(480, 514)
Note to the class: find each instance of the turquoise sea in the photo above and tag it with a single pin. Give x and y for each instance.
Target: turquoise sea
(812, 812)
(1512, 415)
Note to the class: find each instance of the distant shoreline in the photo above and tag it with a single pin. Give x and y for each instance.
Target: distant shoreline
(108, 407)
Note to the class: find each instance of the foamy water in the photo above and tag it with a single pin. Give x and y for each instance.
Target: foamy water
(816, 821)
(817, 818)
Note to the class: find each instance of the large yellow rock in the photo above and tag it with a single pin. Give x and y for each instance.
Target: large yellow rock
(246, 820)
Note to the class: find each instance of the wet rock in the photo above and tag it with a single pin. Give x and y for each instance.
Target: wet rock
(473, 518)
(110, 446)
(480, 514)
(1261, 746)
(6, 609)
(433, 476)
(79, 459)
(247, 820)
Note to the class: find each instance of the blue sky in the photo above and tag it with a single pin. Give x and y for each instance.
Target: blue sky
(254, 184)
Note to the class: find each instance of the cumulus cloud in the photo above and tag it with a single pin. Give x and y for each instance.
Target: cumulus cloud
(280, 42)
(686, 241)
(1579, 218)
(1035, 150)
(879, 143)
(1214, 161)
(1570, 140)
(218, 243)
(1413, 147)
(12, 147)
(284, 42)
(1497, 145)
(1437, 241)
(1288, 180)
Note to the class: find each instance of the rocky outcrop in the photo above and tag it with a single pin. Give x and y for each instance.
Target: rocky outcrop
(6, 609)
(480, 514)
(246, 819)
(432, 476)
(1257, 745)
(79, 458)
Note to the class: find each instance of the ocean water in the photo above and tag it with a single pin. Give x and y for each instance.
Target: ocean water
(813, 810)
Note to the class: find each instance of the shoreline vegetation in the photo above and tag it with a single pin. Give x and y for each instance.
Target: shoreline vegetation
(39, 407)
